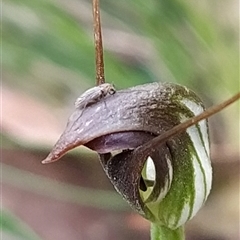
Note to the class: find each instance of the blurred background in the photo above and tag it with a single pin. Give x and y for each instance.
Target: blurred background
(48, 61)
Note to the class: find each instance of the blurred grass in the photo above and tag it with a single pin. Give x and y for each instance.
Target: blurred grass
(190, 46)
(48, 52)
(12, 228)
(100, 199)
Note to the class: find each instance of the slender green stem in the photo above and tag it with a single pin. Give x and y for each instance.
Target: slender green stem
(164, 233)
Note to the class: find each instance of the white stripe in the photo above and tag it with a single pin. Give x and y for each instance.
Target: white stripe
(150, 169)
(151, 175)
(198, 186)
(200, 197)
(204, 158)
(202, 152)
(182, 220)
(168, 180)
(196, 109)
(198, 200)
(204, 131)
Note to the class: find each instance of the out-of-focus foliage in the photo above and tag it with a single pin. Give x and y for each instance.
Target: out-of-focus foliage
(50, 44)
(48, 57)
(13, 228)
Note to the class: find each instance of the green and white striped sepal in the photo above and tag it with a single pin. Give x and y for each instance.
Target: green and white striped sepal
(189, 181)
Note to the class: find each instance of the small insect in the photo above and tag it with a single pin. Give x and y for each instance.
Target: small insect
(94, 94)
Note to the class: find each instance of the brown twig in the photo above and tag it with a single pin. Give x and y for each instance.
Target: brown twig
(100, 79)
(188, 123)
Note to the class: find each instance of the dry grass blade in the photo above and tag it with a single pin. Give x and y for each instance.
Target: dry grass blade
(100, 79)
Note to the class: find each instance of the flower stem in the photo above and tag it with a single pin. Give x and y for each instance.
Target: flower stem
(164, 233)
